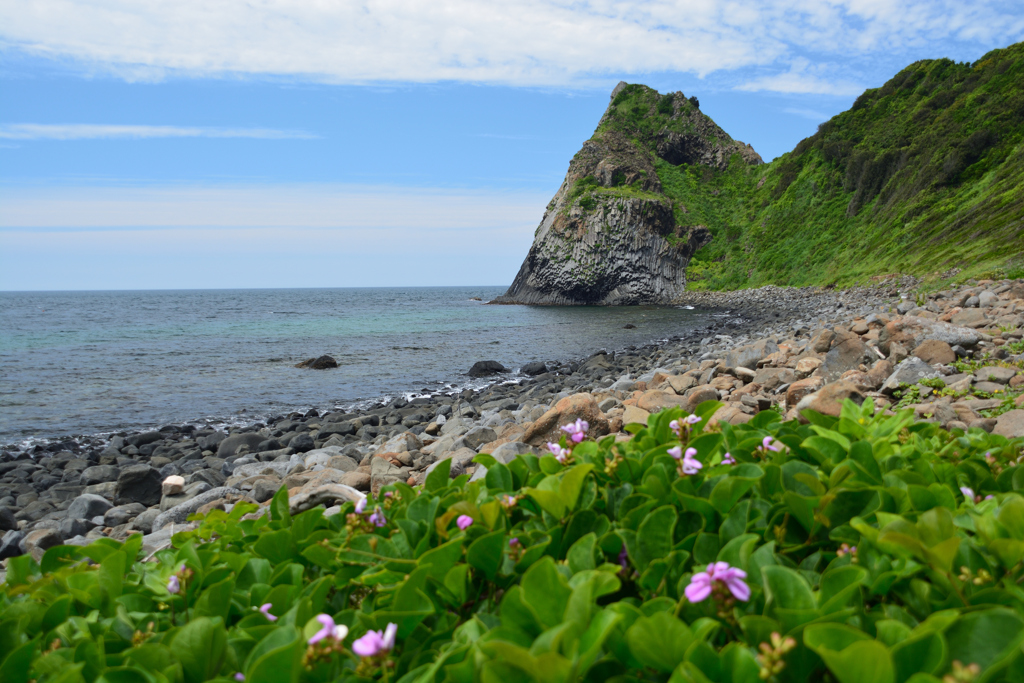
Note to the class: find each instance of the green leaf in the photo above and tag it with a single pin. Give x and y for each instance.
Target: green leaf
(215, 601)
(985, 638)
(654, 537)
(572, 484)
(485, 553)
(924, 653)
(835, 637)
(17, 664)
(439, 477)
(277, 658)
(276, 546)
(499, 476)
(730, 489)
(550, 501)
(546, 591)
(581, 555)
(280, 512)
(659, 641)
(201, 646)
(787, 589)
(441, 559)
(867, 661)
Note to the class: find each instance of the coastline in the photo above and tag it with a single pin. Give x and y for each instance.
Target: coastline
(768, 349)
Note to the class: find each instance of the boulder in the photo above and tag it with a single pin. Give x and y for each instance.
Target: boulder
(87, 506)
(805, 366)
(321, 363)
(172, 485)
(822, 341)
(10, 545)
(478, 436)
(912, 331)
(748, 355)
(635, 414)
(729, 413)
(910, 371)
(485, 368)
(568, 409)
(829, 399)
(302, 443)
(933, 351)
(326, 495)
(210, 442)
(358, 480)
(231, 444)
(533, 369)
(699, 394)
(144, 521)
(507, 452)
(656, 400)
(406, 441)
(39, 541)
(179, 513)
(848, 352)
(8, 522)
(1010, 424)
(122, 514)
(98, 474)
(996, 374)
(802, 387)
(138, 484)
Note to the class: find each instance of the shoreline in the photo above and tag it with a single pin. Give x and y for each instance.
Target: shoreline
(770, 348)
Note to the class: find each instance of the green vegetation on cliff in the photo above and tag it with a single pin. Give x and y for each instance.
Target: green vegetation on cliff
(920, 176)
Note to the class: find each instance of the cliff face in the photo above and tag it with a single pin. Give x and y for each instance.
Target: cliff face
(611, 235)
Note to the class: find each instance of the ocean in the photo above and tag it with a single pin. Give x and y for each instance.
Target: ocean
(86, 363)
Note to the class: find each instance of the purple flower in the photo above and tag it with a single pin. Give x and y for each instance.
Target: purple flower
(173, 585)
(692, 419)
(375, 642)
(377, 518)
(690, 464)
(732, 578)
(727, 459)
(329, 630)
(265, 608)
(624, 558)
(560, 453)
(968, 493)
(513, 542)
(577, 431)
(464, 522)
(361, 505)
(770, 444)
(239, 676)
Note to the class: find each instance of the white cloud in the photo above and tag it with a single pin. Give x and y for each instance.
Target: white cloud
(803, 84)
(524, 42)
(86, 131)
(811, 114)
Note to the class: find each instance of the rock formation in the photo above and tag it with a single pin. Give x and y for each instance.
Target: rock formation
(610, 235)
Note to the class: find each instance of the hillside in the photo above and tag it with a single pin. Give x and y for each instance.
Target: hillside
(924, 176)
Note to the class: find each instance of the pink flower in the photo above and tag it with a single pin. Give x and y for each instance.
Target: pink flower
(702, 583)
(513, 542)
(375, 642)
(560, 453)
(727, 459)
(692, 419)
(239, 676)
(329, 630)
(968, 493)
(361, 505)
(577, 431)
(464, 522)
(770, 444)
(377, 518)
(688, 421)
(265, 608)
(173, 585)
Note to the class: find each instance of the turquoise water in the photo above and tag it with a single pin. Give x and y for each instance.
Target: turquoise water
(93, 362)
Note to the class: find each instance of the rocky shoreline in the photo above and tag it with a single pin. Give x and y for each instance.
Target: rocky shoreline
(770, 349)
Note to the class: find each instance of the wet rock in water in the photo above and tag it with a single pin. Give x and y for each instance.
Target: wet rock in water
(485, 368)
(138, 484)
(629, 326)
(321, 363)
(533, 369)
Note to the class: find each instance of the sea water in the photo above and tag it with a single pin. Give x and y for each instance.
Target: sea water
(74, 363)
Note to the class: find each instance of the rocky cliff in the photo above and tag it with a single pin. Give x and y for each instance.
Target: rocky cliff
(611, 235)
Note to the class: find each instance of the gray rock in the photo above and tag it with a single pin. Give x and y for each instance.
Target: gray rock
(484, 368)
(231, 444)
(478, 436)
(99, 474)
(11, 546)
(972, 302)
(302, 443)
(180, 513)
(848, 352)
(72, 526)
(144, 521)
(87, 506)
(281, 469)
(122, 514)
(987, 299)
(997, 374)
(7, 519)
(910, 371)
(1010, 424)
(748, 355)
(533, 369)
(138, 484)
(39, 541)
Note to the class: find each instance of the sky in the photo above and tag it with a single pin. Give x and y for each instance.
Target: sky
(190, 144)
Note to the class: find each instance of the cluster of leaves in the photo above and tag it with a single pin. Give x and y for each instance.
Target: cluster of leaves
(876, 549)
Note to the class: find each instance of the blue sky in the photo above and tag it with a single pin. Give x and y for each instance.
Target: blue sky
(192, 144)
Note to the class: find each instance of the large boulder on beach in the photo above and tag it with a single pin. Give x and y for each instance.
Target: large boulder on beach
(138, 484)
(912, 330)
(87, 506)
(748, 355)
(829, 399)
(231, 445)
(848, 352)
(535, 368)
(569, 409)
(485, 368)
(910, 371)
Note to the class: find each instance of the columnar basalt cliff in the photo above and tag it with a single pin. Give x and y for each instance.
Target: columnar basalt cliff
(611, 235)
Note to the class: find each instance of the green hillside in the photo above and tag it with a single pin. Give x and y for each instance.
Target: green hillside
(920, 176)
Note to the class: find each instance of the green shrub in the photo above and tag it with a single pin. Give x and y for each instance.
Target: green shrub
(875, 550)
